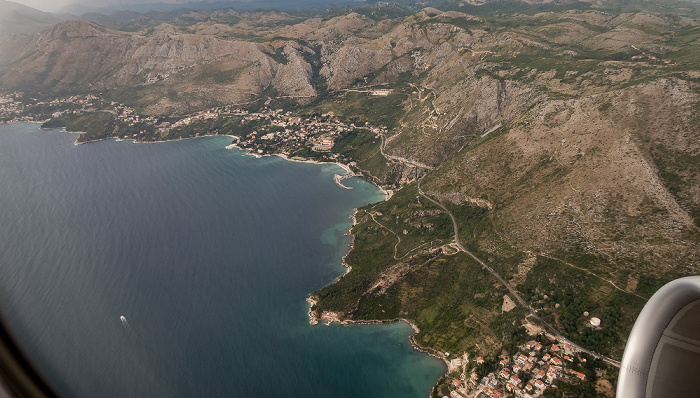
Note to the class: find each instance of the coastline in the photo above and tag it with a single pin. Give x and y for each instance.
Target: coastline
(249, 152)
(330, 317)
(117, 139)
(314, 319)
(348, 170)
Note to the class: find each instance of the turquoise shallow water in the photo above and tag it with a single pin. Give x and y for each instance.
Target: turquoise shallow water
(208, 254)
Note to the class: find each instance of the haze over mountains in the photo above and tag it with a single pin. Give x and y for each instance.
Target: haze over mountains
(18, 18)
(78, 7)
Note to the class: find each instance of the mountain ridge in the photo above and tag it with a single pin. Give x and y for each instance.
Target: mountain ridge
(564, 142)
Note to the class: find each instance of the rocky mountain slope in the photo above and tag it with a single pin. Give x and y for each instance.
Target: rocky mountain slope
(565, 140)
(82, 56)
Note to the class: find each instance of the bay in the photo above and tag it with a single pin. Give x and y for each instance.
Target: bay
(207, 253)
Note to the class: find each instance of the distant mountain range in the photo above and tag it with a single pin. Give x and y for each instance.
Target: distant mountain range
(18, 18)
(108, 6)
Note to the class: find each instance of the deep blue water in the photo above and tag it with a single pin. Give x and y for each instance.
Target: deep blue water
(209, 254)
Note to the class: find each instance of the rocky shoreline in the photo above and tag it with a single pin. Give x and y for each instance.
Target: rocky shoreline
(330, 317)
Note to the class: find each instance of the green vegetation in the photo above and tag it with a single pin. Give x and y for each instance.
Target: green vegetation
(564, 294)
(375, 110)
(475, 228)
(362, 146)
(214, 74)
(373, 250)
(575, 389)
(448, 296)
(94, 125)
(279, 56)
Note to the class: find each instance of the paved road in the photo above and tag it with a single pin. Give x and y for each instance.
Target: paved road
(510, 289)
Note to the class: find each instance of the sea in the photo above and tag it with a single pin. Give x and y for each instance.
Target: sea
(181, 269)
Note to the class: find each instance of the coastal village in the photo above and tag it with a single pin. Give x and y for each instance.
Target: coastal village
(264, 131)
(11, 109)
(526, 373)
(529, 372)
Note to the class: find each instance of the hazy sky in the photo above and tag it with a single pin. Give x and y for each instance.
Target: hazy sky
(45, 5)
(55, 5)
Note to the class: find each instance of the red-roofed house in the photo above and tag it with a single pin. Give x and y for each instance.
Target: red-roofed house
(518, 392)
(505, 374)
(493, 393)
(577, 374)
(521, 359)
(515, 380)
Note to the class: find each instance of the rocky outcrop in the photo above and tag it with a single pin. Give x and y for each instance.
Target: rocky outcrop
(350, 63)
(293, 79)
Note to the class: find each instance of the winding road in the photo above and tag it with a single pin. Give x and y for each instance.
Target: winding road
(522, 302)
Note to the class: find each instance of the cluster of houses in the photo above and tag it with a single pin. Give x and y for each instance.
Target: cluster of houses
(82, 100)
(129, 117)
(526, 374)
(650, 58)
(278, 130)
(10, 108)
(287, 133)
(13, 109)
